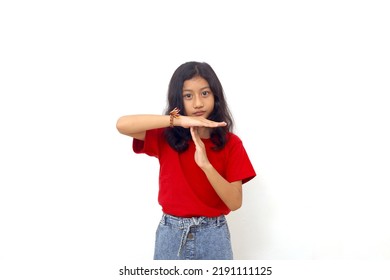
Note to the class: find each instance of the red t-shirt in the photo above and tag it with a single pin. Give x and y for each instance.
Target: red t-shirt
(184, 189)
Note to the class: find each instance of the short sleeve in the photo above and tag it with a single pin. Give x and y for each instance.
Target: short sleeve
(150, 145)
(239, 166)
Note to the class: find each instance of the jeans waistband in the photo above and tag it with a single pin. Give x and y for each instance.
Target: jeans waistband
(186, 223)
(182, 223)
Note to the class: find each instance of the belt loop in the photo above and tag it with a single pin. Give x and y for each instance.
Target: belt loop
(218, 221)
(163, 220)
(181, 223)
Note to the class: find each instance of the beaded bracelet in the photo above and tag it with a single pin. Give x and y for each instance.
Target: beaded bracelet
(174, 114)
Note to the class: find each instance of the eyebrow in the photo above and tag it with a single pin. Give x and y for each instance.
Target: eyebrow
(200, 88)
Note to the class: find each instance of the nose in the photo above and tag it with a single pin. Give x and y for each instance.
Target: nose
(198, 103)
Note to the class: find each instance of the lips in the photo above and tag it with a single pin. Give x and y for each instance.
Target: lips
(199, 113)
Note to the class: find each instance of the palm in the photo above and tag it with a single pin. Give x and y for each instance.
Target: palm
(200, 155)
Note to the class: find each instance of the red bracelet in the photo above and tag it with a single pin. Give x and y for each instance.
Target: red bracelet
(174, 114)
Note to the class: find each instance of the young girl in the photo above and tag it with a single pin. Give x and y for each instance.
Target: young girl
(203, 165)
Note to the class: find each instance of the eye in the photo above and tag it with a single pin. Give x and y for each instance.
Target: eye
(187, 96)
(205, 93)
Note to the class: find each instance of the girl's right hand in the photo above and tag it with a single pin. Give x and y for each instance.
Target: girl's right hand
(186, 122)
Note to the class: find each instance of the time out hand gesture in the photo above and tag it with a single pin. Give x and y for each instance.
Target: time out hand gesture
(200, 156)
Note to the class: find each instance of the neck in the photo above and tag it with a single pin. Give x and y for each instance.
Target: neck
(204, 132)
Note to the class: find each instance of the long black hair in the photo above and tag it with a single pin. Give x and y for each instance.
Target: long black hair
(178, 137)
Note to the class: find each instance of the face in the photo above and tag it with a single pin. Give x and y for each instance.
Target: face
(198, 98)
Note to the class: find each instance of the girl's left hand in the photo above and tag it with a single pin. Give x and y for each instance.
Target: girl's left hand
(200, 156)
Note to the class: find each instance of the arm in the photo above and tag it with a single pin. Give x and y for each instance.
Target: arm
(136, 125)
(230, 193)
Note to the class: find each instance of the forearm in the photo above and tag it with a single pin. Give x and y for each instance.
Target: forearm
(133, 124)
(230, 193)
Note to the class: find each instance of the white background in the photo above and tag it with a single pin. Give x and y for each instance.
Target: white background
(308, 85)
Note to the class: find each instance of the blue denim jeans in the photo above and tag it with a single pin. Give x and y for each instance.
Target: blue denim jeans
(197, 238)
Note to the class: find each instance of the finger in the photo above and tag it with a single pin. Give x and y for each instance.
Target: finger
(221, 123)
(195, 135)
(216, 124)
